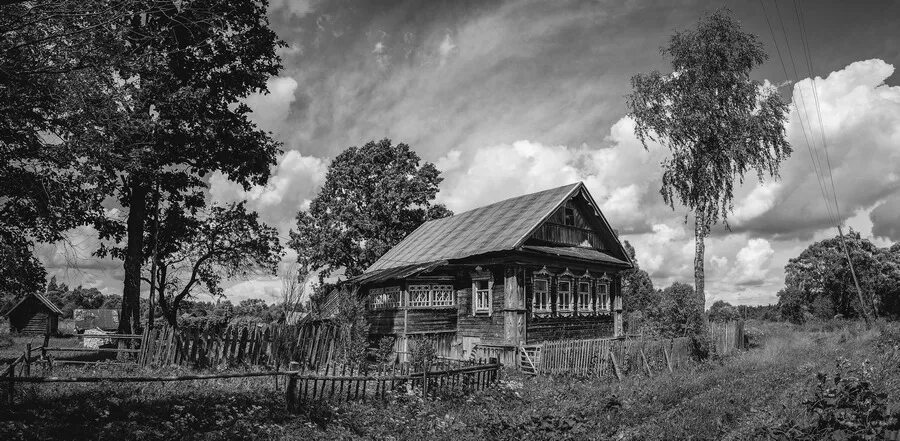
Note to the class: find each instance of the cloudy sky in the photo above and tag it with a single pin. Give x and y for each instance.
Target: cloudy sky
(513, 97)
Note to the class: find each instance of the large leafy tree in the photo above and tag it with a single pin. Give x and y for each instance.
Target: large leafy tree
(819, 281)
(46, 51)
(717, 122)
(168, 112)
(200, 252)
(372, 198)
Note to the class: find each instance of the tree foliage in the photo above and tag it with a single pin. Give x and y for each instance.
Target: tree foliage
(818, 282)
(722, 311)
(169, 112)
(680, 312)
(373, 197)
(200, 252)
(638, 294)
(716, 122)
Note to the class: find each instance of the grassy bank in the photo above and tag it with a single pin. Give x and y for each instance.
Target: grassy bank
(757, 394)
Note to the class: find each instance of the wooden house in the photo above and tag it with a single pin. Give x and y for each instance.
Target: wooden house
(34, 314)
(543, 266)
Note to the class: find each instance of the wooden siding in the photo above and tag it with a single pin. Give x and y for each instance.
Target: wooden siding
(32, 317)
(562, 328)
(490, 328)
(564, 235)
(578, 233)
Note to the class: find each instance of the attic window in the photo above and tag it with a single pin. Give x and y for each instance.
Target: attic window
(569, 217)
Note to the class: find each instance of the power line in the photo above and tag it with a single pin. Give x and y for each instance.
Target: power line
(819, 178)
(805, 45)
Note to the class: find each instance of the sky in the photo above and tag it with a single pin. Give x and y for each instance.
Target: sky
(508, 98)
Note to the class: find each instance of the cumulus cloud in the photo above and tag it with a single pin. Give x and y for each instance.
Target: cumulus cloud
(271, 110)
(861, 122)
(294, 182)
(886, 219)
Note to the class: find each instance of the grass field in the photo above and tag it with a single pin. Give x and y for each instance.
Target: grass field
(757, 394)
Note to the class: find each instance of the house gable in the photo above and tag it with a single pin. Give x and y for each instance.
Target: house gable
(579, 223)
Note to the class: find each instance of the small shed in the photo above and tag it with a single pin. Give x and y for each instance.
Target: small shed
(34, 314)
(103, 319)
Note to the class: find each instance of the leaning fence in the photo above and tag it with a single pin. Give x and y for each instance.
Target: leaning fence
(617, 357)
(312, 344)
(353, 384)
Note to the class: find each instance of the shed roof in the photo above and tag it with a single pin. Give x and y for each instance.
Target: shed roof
(105, 319)
(43, 299)
(500, 226)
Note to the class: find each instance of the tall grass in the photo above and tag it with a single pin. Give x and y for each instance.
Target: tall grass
(736, 397)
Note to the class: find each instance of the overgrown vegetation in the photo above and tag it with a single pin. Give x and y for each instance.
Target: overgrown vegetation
(775, 391)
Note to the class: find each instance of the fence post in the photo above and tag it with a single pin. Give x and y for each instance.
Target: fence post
(615, 365)
(11, 386)
(289, 393)
(28, 359)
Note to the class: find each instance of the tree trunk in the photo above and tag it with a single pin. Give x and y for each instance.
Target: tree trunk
(130, 318)
(699, 249)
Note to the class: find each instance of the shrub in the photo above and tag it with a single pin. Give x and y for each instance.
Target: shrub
(844, 406)
(422, 353)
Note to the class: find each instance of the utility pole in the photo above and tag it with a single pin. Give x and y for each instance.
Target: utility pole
(862, 304)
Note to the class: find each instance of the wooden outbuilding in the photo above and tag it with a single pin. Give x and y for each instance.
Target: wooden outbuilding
(543, 266)
(34, 314)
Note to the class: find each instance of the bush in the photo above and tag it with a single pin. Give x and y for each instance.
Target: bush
(422, 353)
(845, 406)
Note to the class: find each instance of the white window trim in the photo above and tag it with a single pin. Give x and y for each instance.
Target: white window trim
(430, 292)
(560, 307)
(548, 305)
(385, 298)
(605, 305)
(490, 294)
(585, 308)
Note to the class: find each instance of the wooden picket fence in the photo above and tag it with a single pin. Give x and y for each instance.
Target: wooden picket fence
(617, 357)
(347, 383)
(727, 337)
(605, 357)
(313, 344)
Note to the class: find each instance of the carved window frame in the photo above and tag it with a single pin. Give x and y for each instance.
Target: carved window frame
(540, 299)
(565, 306)
(487, 305)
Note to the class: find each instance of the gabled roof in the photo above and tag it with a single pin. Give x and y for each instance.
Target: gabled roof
(500, 226)
(43, 299)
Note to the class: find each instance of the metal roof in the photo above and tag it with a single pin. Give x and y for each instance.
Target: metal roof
(499, 226)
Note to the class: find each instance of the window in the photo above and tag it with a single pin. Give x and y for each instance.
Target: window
(481, 297)
(603, 297)
(418, 295)
(384, 298)
(584, 296)
(423, 296)
(376, 298)
(541, 300)
(442, 295)
(564, 295)
(569, 217)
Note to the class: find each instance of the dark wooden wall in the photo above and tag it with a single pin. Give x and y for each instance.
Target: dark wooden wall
(555, 231)
(560, 328)
(489, 328)
(32, 317)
